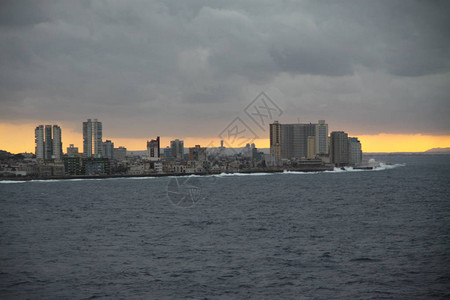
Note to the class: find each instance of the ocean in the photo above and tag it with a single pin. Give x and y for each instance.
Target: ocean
(379, 234)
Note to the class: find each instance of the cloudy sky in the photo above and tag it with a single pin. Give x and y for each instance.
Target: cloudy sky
(186, 69)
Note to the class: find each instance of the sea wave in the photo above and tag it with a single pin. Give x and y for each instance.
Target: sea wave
(75, 179)
(380, 167)
(300, 172)
(12, 181)
(384, 166)
(242, 174)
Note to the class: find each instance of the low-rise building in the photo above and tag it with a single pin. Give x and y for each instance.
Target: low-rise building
(120, 153)
(73, 165)
(96, 166)
(197, 153)
(72, 150)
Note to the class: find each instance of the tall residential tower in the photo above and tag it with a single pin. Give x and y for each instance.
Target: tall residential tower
(289, 141)
(56, 143)
(153, 149)
(92, 138)
(177, 147)
(354, 151)
(48, 142)
(339, 153)
(39, 139)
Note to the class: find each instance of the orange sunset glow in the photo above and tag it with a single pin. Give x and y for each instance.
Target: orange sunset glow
(20, 138)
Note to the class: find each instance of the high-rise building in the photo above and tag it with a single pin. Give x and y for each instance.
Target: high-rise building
(48, 142)
(39, 139)
(354, 151)
(321, 137)
(168, 153)
(311, 147)
(92, 138)
(289, 141)
(339, 153)
(275, 140)
(56, 143)
(153, 149)
(108, 149)
(177, 147)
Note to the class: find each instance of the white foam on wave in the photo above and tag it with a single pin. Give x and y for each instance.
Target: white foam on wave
(135, 178)
(242, 174)
(75, 179)
(380, 167)
(300, 172)
(345, 169)
(384, 166)
(66, 180)
(12, 181)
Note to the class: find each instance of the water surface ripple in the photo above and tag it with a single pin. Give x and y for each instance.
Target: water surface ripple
(346, 235)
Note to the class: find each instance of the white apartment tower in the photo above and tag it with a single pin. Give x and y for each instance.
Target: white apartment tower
(321, 137)
(48, 142)
(92, 138)
(39, 139)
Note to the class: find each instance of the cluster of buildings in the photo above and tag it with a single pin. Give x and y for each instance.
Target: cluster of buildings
(292, 146)
(306, 142)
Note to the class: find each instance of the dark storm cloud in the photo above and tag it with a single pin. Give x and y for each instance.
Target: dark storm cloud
(22, 13)
(370, 65)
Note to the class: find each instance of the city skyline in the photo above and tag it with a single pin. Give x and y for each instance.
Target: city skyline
(225, 149)
(378, 70)
(23, 140)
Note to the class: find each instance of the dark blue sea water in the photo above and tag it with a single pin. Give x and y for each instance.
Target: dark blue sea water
(341, 235)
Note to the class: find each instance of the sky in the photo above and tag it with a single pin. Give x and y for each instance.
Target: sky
(379, 70)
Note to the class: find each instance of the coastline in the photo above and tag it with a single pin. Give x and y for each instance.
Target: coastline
(106, 176)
